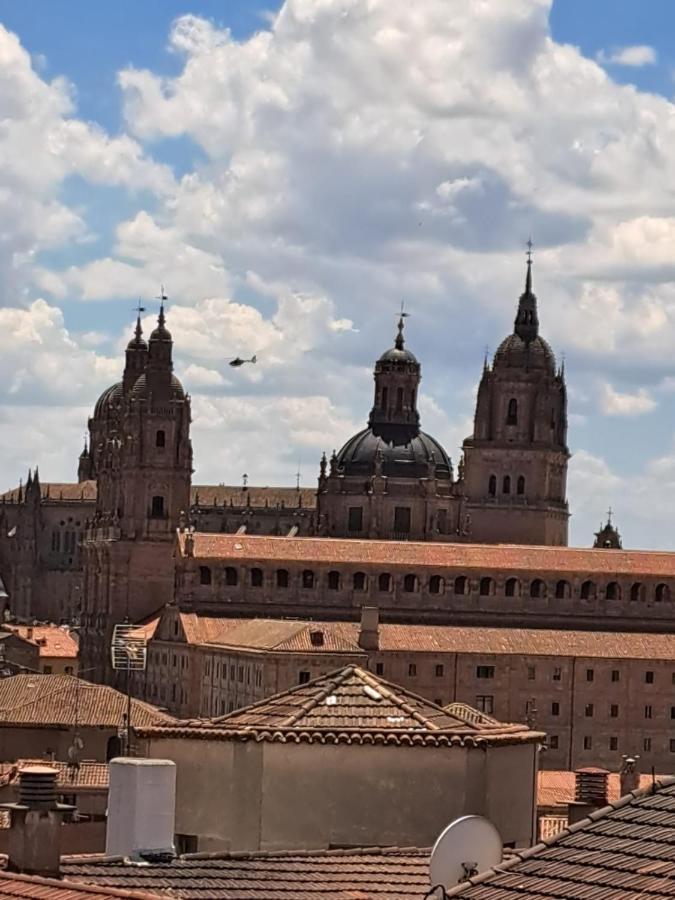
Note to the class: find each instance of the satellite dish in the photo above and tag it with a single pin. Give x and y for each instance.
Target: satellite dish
(467, 847)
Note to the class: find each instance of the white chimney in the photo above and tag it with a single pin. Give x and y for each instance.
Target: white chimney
(141, 807)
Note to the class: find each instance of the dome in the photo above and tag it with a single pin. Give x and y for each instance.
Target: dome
(514, 352)
(140, 389)
(137, 343)
(397, 355)
(110, 397)
(161, 333)
(405, 452)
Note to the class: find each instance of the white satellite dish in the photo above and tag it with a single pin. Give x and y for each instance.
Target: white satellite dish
(467, 847)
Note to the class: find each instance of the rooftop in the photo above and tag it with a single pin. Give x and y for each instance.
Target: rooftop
(31, 887)
(87, 774)
(62, 700)
(52, 640)
(557, 788)
(347, 706)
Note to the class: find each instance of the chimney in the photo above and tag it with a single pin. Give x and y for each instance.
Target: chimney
(369, 631)
(29, 632)
(34, 845)
(141, 808)
(590, 793)
(629, 774)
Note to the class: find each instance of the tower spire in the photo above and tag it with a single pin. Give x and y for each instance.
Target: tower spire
(526, 325)
(399, 342)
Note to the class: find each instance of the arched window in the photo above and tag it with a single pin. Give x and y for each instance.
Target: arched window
(333, 581)
(256, 577)
(662, 593)
(520, 489)
(231, 577)
(461, 584)
(511, 587)
(587, 591)
(384, 582)
(399, 399)
(113, 748)
(436, 584)
(562, 590)
(359, 581)
(160, 439)
(410, 583)
(385, 397)
(487, 587)
(506, 485)
(637, 592)
(492, 485)
(204, 575)
(282, 578)
(612, 591)
(512, 412)
(537, 588)
(307, 579)
(157, 507)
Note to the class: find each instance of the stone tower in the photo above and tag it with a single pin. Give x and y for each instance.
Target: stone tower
(516, 458)
(143, 459)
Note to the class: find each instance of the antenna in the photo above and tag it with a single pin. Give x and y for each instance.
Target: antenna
(129, 649)
(467, 847)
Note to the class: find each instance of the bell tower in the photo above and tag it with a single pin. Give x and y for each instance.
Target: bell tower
(516, 459)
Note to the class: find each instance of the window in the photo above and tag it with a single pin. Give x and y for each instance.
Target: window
(68, 670)
(553, 742)
(333, 581)
(187, 843)
(614, 711)
(649, 677)
(282, 578)
(588, 742)
(157, 507)
(485, 703)
(355, 519)
(512, 412)
(537, 588)
(647, 745)
(316, 638)
(615, 675)
(587, 591)
(384, 582)
(359, 581)
(435, 584)
(614, 743)
(672, 712)
(588, 710)
(399, 399)
(511, 587)
(47, 670)
(612, 591)
(520, 489)
(412, 670)
(487, 587)
(303, 677)
(461, 584)
(385, 397)
(590, 674)
(256, 577)
(648, 711)
(531, 673)
(231, 577)
(439, 670)
(485, 671)
(492, 485)
(555, 709)
(636, 592)
(379, 668)
(562, 590)
(672, 745)
(442, 521)
(307, 579)
(662, 593)
(160, 439)
(557, 674)
(506, 485)
(402, 519)
(410, 584)
(204, 575)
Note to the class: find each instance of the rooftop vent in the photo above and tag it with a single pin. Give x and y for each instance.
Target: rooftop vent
(591, 786)
(37, 787)
(316, 638)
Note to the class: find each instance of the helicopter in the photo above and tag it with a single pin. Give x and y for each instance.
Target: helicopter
(238, 361)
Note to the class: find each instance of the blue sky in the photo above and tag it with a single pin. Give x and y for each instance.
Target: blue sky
(290, 199)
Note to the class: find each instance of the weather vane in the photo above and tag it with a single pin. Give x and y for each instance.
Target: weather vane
(403, 313)
(529, 245)
(139, 308)
(162, 295)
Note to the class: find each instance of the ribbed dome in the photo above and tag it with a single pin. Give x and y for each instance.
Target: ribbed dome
(397, 355)
(141, 390)
(405, 452)
(515, 353)
(110, 397)
(137, 343)
(161, 333)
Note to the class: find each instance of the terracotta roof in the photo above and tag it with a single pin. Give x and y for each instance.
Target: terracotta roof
(625, 851)
(368, 874)
(52, 640)
(292, 635)
(57, 491)
(557, 788)
(347, 706)
(439, 556)
(64, 701)
(205, 495)
(468, 714)
(88, 774)
(31, 886)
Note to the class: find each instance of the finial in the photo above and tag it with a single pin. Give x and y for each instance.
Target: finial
(399, 343)
(485, 358)
(610, 512)
(139, 309)
(244, 481)
(528, 277)
(297, 478)
(162, 297)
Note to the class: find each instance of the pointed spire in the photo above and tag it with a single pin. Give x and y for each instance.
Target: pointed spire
(527, 321)
(399, 343)
(36, 478)
(30, 479)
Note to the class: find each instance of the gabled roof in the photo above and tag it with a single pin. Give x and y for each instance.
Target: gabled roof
(65, 701)
(625, 851)
(368, 874)
(86, 775)
(52, 640)
(33, 887)
(348, 706)
(205, 495)
(558, 787)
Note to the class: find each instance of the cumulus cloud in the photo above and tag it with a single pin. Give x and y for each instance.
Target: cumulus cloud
(614, 403)
(636, 55)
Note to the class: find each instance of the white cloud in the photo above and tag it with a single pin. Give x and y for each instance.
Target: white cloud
(636, 55)
(614, 403)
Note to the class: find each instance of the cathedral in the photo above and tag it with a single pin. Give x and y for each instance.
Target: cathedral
(100, 551)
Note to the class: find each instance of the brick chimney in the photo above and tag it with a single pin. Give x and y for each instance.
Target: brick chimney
(369, 631)
(34, 845)
(590, 792)
(141, 808)
(629, 774)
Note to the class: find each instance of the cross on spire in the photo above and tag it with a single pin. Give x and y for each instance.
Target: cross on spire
(400, 341)
(610, 513)
(529, 245)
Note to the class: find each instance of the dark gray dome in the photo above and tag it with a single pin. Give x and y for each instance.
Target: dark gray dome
(405, 452)
(140, 389)
(514, 352)
(109, 398)
(397, 355)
